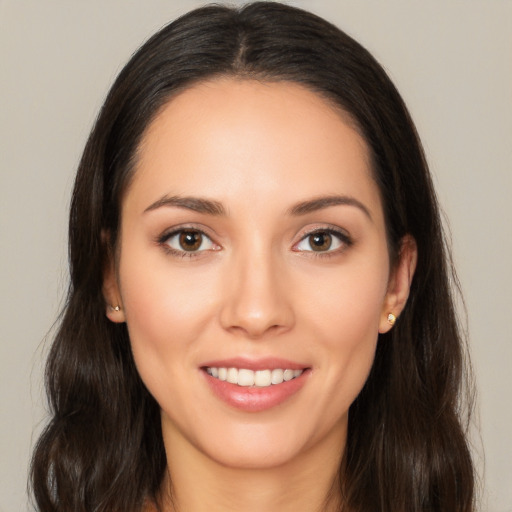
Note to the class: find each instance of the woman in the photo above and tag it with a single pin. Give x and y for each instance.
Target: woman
(259, 315)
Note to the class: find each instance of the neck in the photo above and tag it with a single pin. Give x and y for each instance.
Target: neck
(196, 483)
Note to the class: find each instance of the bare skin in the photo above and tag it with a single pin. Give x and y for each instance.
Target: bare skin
(253, 233)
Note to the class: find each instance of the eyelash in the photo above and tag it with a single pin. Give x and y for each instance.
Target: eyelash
(163, 241)
(344, 239)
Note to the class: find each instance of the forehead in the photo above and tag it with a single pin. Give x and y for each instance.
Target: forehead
(234, 135)
(253, 100)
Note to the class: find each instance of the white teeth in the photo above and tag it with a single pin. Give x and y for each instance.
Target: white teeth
(288, 375)
(277, 376)
(263, 378)
(245, 377)
(259, 378)
(232, 376)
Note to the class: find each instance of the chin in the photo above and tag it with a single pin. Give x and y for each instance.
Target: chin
(255, 457)
(273, 445)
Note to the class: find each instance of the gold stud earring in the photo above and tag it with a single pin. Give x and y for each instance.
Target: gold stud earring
(114, 308)
(391, 319)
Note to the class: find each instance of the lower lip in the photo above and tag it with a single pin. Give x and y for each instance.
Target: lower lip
(255, 399)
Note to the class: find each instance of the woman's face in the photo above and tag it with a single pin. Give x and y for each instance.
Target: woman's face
(253, 248)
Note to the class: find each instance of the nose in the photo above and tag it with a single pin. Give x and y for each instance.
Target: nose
(259, 298)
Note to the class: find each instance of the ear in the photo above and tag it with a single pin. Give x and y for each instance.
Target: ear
(399, 283)
(111, 293)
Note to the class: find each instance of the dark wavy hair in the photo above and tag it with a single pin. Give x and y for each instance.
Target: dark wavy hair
(407, 450)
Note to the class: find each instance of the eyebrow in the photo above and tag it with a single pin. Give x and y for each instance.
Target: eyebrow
(196, 204)
(210, 207)
(320, 203)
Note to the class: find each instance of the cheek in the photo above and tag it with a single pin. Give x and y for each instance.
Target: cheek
(166, 310)
(348, 301)
(343, 318)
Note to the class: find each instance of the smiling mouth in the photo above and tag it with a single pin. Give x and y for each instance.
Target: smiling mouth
(250, 378)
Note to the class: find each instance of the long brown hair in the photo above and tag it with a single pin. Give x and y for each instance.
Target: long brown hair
(102, 450)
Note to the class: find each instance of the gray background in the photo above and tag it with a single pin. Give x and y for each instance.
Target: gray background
(452, 61)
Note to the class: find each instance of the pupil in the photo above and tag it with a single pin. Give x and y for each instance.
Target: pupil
(320, 241)
(190, 240)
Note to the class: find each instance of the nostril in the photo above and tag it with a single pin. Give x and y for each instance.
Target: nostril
(256, 305)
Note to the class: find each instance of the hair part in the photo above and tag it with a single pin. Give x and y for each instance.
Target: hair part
(406, 450)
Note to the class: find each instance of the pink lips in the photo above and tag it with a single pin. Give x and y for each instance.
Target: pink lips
(267, 363)
(255, 399)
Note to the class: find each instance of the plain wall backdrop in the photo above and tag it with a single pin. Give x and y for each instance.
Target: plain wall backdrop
(450, 59)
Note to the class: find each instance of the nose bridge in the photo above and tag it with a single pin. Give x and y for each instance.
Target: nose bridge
(258, 301)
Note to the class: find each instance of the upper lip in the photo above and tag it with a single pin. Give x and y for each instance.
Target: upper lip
(265, 363)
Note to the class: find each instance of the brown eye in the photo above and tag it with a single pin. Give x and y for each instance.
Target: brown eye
(324, 240)
(190, 240)
(320, 241)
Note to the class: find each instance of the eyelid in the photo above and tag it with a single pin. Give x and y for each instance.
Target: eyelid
(169, 233)
(342, 235)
